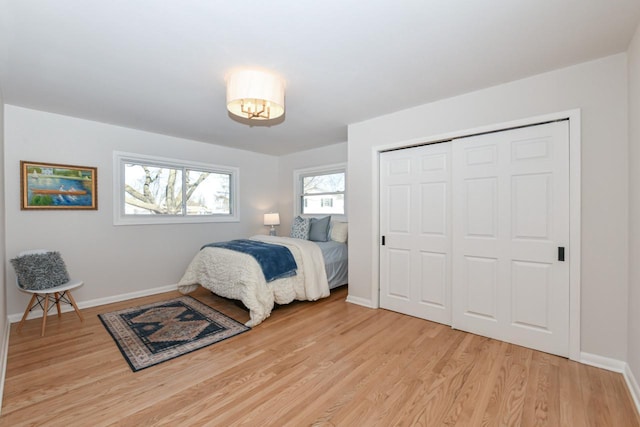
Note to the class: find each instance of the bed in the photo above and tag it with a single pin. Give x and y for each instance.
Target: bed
(321, 266)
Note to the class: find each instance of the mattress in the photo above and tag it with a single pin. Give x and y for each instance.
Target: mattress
(335, 262)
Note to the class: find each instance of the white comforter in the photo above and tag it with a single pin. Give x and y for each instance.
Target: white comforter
(236, 275)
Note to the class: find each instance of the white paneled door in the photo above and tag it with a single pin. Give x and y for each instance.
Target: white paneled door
(511, 223)
(475, 232)
(415, 220)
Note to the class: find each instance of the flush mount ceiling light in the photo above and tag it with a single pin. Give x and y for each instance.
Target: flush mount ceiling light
(255, 95)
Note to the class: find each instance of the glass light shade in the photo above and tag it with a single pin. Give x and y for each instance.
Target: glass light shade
(255, 95)
(271, 219)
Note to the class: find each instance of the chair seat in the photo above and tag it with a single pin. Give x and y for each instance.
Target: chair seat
(42, 297)
(71, 284)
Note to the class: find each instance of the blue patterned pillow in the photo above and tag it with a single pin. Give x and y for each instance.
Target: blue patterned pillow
(40, 271)
(300, 228)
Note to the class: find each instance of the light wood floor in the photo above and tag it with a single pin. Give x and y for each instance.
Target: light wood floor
(324, 363)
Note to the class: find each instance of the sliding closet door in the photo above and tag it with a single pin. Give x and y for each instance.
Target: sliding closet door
(415, 223)
(510, 221)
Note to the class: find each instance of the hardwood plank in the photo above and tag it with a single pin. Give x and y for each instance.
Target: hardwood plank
(573, 407)
(326, 363)
(462, 408)
(615, 386)
(542, 407)
(593, 392)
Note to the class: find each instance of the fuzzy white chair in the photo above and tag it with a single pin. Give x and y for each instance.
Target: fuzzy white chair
(42, 297)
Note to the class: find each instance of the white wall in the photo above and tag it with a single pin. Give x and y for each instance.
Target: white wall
(634, 206)
(331, 154)
(3, 307)
(599, 89)
(114, 260)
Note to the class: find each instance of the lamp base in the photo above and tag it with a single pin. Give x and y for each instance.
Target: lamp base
(272, 231)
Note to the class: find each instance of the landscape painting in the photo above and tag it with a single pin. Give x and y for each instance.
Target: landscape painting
(53, 186)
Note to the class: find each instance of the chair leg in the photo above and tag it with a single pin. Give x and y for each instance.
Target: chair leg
(57, 295)
(75, 307)
(45, 311)
(26, 312)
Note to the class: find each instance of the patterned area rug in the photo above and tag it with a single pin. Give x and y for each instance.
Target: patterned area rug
(154, 333)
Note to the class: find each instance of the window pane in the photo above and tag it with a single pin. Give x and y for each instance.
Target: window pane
(325, 204)
(208, 193)
(152, 190)
(331, 183)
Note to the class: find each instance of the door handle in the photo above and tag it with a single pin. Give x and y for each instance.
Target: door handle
(561, 253)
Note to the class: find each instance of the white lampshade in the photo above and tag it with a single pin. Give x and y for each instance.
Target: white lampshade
(255, 95)
(272, 219)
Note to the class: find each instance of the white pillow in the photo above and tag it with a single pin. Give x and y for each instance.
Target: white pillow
(339, 232)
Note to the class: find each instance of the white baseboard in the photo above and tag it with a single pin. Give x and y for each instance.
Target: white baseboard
(360, 301)
(99, 301)
(4, 353)
(615, 366)
(632, 384)
(607, 363)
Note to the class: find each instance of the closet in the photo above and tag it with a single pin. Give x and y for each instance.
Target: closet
(474, 234)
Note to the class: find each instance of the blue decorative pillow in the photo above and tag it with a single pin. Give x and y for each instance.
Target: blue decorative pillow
(40, 271)
(300, 228)
(319, 231)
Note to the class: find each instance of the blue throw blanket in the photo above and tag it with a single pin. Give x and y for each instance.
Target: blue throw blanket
(276, 261)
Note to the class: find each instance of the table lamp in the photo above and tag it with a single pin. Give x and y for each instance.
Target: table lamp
(272, 219)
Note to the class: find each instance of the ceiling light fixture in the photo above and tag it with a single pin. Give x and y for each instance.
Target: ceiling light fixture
(255, 95)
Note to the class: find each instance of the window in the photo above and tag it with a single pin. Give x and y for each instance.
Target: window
(321, 191)
(152, 190)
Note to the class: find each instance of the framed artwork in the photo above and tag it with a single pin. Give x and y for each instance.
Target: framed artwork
(52, 186)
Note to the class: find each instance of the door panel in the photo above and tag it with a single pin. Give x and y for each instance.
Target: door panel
(434, 273)
(480, 298)
(531, 206)
(415, 218)
(399, 208)
(481, 205)
(400, 265)
(508, 221)
(433, 198)
(531, 287)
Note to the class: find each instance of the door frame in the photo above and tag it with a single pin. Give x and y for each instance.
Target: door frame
(574, 252)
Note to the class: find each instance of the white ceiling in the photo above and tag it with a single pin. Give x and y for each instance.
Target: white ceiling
(160, 65)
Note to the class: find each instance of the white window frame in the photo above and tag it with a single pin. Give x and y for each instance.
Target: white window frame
(298, 174)
(120, 158)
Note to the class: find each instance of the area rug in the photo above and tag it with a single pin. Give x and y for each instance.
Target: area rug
(154, 333)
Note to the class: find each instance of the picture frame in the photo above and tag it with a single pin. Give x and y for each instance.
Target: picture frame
(51, 186)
